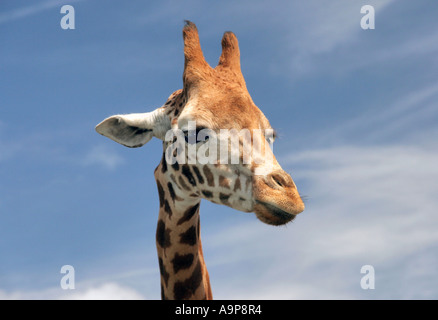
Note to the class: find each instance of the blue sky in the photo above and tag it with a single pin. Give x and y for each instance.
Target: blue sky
(356, 112)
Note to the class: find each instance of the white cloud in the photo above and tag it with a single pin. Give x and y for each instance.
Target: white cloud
(368, 205)
(104, 291)
(107, 291)
(32, 10)
(412, 47)
(326, 38)
(42, 146)
(392, 187)
(372, 205)
(399, 118)
(101, 155)
(320, 28)
(7, 151)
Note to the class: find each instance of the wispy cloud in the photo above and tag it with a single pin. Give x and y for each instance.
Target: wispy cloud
(104, 291)
(399, 118)
(107, 291)
(317, 30)
(31, 10)
(47, 146)
(8, 149)
(368, 205)
(101, 155)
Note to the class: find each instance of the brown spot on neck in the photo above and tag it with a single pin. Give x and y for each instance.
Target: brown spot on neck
(209, 175)
(189, 236)
(188, 214)
(186, 289)
(224, 182)
(163, 235)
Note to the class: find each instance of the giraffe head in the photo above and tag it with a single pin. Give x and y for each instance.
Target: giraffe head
(216, 140)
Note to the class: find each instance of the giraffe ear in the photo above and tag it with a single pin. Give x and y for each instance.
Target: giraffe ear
(136, 129)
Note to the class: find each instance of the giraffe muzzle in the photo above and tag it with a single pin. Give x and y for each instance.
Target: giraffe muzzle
(277, 200)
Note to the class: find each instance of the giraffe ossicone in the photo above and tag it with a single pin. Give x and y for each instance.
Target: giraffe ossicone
(212, 113)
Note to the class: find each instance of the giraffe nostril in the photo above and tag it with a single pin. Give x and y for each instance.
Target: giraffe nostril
(276, 180)
(280, 180)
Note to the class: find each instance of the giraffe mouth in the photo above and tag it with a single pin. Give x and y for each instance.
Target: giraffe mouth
(271, 214)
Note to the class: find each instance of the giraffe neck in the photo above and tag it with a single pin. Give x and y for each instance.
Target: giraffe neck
(182, 268)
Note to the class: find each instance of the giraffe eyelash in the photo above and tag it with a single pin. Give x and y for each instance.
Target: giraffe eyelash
(271, 137)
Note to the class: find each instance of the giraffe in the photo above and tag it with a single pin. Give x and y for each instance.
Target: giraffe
(214, 99)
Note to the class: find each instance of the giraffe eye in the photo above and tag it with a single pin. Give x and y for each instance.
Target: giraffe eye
(192, 136)
(270, 135)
